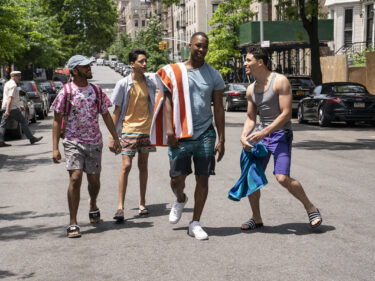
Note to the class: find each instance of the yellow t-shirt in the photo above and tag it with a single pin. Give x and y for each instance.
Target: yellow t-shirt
(137, 119)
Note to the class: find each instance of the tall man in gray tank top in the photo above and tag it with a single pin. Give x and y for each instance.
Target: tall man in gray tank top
(271, 95)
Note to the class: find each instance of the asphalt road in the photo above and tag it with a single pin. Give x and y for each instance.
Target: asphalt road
(335, 165)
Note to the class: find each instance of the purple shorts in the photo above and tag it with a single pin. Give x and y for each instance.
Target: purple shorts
(279, 144)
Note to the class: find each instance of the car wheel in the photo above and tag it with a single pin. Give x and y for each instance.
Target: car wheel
(41, 115)
(33, 120)
(322, 118)
(300, 115)
(350, 123)
(228, 106)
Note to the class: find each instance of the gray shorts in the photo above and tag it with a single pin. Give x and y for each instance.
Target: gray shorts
(82, 156)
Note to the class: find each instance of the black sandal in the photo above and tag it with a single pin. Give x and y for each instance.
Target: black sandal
(73, 231)
(143, 212)
(119, 216)
(314, 216)
(251, 225)
(94, 216)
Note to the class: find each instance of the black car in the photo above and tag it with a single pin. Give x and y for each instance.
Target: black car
(338, 101)
(39, 97)
(302, 86)
(234, 96)
(50, 88)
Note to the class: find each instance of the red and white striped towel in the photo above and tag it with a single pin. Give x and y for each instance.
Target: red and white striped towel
(174, 77)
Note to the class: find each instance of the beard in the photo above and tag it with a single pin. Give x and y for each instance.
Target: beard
(84, 75)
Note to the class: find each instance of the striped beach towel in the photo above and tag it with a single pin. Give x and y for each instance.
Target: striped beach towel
(174, 78)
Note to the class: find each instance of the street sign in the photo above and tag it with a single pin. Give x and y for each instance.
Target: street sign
(265, 44)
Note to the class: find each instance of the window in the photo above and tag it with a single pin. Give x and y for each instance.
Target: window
(136, 23)
(214, 7)
(348, 27)
(143, 23)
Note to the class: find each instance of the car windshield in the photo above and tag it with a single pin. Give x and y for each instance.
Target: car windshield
(45, 85)
(58, 84)
(348, 89)
(27, 86)
(237, 87)
(301, 82)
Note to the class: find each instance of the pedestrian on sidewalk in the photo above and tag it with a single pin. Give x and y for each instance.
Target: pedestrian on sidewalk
(189, 89)
(134, 100)
(12, 107)
(80, 104)
(271, 96)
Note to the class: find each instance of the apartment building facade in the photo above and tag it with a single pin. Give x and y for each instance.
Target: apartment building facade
(353, 25)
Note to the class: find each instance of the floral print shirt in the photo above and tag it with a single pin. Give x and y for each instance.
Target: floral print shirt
(82, 124)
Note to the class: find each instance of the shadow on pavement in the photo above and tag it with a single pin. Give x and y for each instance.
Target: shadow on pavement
(17, 232)
(104, 226)
(295, 228)
(333, 127)
(289, 228)
(28, 215)
(159, 210)
(327, 145)
(227, 124)
(21, 163)
(5, 274)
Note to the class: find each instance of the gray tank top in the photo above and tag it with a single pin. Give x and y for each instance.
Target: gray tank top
(268, 106)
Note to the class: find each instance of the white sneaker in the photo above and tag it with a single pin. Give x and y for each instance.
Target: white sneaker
(176, 211)
(195, 230)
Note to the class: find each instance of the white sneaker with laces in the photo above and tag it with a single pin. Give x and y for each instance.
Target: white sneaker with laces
(195, 230)
(176, 211)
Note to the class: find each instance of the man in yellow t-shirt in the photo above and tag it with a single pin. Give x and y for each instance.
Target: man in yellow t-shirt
(134, 100)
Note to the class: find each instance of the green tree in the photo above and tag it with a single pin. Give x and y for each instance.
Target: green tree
(12, 25)
(44, 47)
(308, 12)
(122, 47)
(86, 26)
(224, 40)
(169, 3)
(147, 39)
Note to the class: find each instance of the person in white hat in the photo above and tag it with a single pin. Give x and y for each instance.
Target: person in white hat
(12, 107)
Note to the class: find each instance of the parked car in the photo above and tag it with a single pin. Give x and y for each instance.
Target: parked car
(49, 86)
(106, 62)
(39, 97)
(100, 62)
(119, 66)
(234, 96)
(302, 87)
(338, 101)
(58, 85)
(127, 70)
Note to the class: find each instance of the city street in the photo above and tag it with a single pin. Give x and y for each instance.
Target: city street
(335, 165)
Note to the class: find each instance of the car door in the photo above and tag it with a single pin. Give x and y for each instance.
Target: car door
(311, 104)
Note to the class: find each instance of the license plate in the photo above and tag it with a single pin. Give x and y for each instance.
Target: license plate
(359, 105)
(300, 93)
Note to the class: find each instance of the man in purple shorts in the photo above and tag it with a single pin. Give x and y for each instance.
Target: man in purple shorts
(271, 96)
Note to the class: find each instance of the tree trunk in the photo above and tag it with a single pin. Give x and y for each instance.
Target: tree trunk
(311, 27)
(316, 71)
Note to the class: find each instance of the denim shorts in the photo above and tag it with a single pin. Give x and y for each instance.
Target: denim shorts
(279, 144)
(202, 151)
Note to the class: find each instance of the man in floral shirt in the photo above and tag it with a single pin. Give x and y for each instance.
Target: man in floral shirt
(80, 103)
